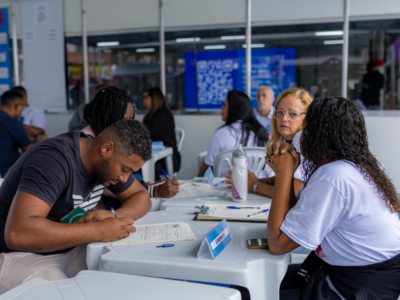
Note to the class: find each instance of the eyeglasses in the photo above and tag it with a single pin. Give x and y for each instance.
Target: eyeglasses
(292, 116)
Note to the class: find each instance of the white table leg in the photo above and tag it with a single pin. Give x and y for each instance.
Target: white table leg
(169, 164)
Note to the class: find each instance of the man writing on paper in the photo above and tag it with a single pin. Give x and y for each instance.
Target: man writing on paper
(45, 184)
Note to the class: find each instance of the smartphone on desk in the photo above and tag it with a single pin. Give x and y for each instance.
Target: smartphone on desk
(257, 244)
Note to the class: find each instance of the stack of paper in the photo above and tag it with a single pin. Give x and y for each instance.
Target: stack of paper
(195, 189)
(158, 233)
(248, 213)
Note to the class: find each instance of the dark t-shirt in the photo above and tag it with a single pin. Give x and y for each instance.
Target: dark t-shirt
(53, 171)
(12, 136)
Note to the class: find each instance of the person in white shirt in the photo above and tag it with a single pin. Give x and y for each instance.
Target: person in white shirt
(347, 212)
(241, 127)
(33, 119)
(286, 125)
(265, 110)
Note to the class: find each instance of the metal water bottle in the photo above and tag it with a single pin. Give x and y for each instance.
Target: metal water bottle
(239, 175)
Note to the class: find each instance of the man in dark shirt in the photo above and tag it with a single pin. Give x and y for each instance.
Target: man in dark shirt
(12, 133)
(373, 82)
(49, 180)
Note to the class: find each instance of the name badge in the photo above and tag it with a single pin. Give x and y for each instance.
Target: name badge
(217, 240)
(209, 176)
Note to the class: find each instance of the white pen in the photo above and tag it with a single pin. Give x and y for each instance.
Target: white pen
(257, 213)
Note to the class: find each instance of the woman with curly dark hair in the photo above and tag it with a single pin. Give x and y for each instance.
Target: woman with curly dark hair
(347, 212)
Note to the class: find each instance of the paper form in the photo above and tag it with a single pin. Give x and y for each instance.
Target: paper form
(218, 211)
(158, 233)
(194, 189)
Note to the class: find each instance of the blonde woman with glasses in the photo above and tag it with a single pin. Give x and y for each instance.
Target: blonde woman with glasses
(286, 126)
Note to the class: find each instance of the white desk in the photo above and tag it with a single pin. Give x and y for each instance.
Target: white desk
(148, 168)
(252, 199)
(93, 285)
(258, 270)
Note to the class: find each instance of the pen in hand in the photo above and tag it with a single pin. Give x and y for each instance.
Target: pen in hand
(165, 173)
(113, 211)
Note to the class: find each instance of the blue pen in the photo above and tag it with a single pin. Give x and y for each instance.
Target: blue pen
(166, 246)
(165, 173)
(113, 211)
(238, 207)
(257, 213)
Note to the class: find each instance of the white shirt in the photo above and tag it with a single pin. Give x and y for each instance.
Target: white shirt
(342, 216)
(226, 138)
(265, 121)
(34, 117)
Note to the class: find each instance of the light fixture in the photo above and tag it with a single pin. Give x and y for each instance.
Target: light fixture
(213, 47)
(104, 44)
(326, 33)
(233, 37)
(143, 50)
(333, 42)
(254, 45)
(185, 40)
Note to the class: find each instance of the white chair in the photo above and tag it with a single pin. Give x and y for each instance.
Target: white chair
(180, 136)
(255, 155)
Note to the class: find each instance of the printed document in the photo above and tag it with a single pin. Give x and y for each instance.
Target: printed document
(194, 189)
(158, 233)
(248, 213)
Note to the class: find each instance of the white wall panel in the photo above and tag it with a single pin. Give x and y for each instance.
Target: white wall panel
(44, 60)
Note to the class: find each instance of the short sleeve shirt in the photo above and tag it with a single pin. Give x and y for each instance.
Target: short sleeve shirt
(52, 171)
(34, 117)
(12, 136)
(343, 218)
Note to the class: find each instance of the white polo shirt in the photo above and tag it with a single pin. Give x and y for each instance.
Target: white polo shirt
(226, 138)
(265, 121)
(34, 117)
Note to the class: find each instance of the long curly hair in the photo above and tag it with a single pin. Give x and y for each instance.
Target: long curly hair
(334, 128)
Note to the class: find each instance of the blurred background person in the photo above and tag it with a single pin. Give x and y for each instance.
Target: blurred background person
(78, 121)
(265, 109)
(241, 127)
(13, 135)
(372, 84)
(33, 119)
(161, 124)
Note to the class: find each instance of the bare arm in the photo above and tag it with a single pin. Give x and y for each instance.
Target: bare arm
(204, 166)
(27, 228)
(33, 131)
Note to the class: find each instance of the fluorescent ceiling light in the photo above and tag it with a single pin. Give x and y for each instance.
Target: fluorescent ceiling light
(254, 45)
(325, 33)
(183, 40)
(333, 42)
(233, 37)
(142, 50)
(212, 47)
(104, 44)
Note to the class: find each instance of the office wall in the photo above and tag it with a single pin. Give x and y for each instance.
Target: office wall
(382, 133)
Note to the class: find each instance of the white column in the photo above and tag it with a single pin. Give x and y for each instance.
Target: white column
(392, 75)
(248, 49)
(162, 50)
(345, 53)
(15, 45)
(85, 53)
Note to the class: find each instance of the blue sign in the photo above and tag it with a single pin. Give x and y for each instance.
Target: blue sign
(218, 72)
(5, 65)
(216, 240)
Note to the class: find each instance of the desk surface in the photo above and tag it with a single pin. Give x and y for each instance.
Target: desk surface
(94, 285)
(258, 270)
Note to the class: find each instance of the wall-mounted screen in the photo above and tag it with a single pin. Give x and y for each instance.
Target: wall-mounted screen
(218, 72)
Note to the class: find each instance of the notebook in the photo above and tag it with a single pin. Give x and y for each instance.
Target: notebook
(247, 213)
